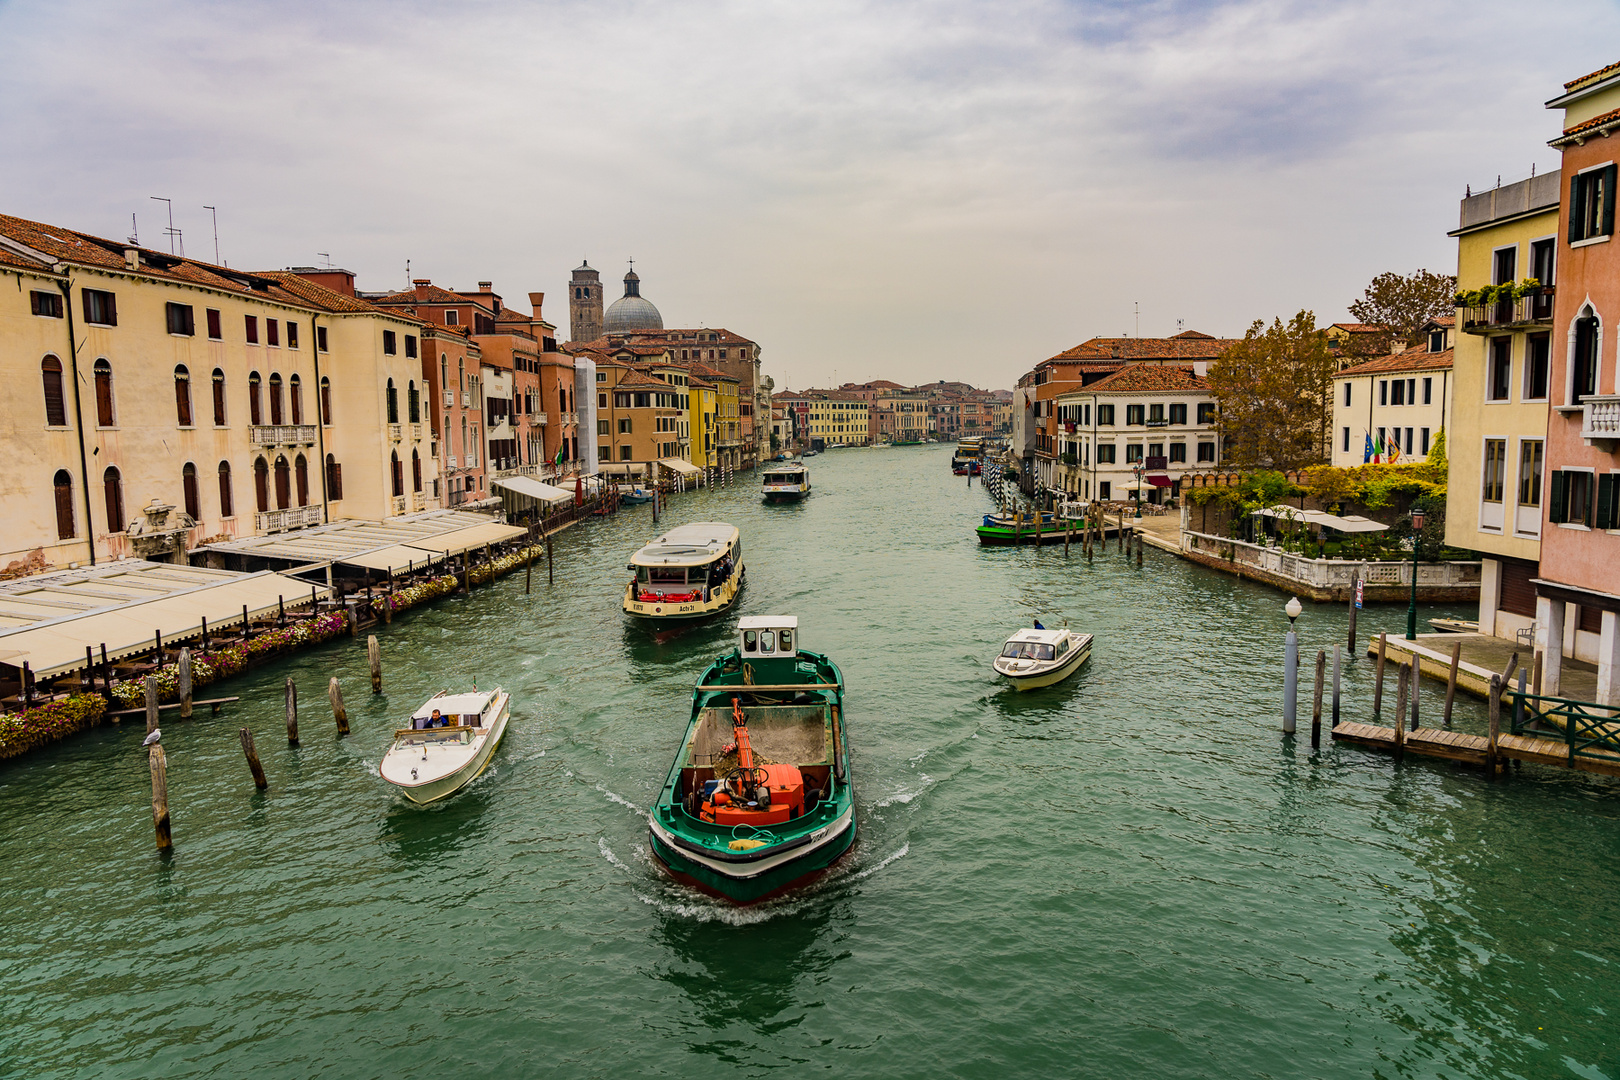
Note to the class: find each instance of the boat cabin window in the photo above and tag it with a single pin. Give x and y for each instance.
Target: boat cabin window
(767, 641)
(1062, 647)
(785, 639)
(1043, 652)
(750, 641)
(668, 575)
(1027, 650)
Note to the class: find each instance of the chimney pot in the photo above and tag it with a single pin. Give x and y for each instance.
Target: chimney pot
(486, 286)
(536, 299)
(132, 258)
(421, 281)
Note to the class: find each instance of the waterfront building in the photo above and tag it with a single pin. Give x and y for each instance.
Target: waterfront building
(1398, 403)
(1496, 436)
(639, 418)
(1144, 423)
(244, 402)
(837, 417)
(1578, 592)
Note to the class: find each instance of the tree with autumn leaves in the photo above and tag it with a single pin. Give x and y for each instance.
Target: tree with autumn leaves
(1274, 393)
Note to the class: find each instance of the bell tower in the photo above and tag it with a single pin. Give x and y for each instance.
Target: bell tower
(585, 304)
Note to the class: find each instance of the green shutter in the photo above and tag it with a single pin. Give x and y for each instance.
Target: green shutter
(1558, 505)
(1575, 209)
(1608, 201)
(1605, 502)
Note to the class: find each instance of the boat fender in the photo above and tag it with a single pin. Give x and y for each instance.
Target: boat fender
(745, 845)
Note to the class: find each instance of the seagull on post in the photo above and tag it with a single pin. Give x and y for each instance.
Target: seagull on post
(153, 736)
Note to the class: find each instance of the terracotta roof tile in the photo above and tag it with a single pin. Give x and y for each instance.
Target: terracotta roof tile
(424, 294)
(1151, 378)
(1417, 358)
(1575, 134)
(1188, 345)
(1600, 73)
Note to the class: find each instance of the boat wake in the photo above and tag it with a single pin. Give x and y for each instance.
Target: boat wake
(902, 796)
(639, 811)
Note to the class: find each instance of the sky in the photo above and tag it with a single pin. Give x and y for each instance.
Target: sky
(899, 190)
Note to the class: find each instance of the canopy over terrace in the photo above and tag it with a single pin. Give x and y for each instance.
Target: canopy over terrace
(395, 544)
(679, 467)
(1349, 523)
(534, 489)
(47, 621)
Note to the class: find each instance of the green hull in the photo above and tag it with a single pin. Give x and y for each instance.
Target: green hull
(795, 717)
(993, 536)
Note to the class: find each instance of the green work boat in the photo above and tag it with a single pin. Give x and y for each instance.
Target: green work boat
(759, 797)
(999, 529)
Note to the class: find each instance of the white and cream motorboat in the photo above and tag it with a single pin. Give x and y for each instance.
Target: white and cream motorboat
(1040, 657)
(449, 742)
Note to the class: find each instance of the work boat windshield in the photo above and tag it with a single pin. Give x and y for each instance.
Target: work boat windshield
(764, 637)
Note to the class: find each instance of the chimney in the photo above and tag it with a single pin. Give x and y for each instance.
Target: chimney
(421, 281)
(486, 286)
(536, 299)
(132, 258)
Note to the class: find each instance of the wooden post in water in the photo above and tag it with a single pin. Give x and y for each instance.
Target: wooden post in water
(1316, 698)
(1355, 578)
(1038, 516)
(1400, 715)
(1496, 723)
(551, 565)
(528, 570)
(183, 684)
(252, 756)
(1535, 679)
(281, 610)
(1336, 660)
(334, 693)
(151, 704)
(106, 673)
(1417, 681)
(1138, 536)
(1512, 666)
(292, 712)
(1451, 681)
(205, 635)
(374, 656)
(388, 600)
(160, 797)
(1378, 679)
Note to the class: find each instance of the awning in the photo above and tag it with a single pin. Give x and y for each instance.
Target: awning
(454, 543)
(684, 468)
(534, 489)
(1350, 523)
(1159, 481)
(398, 559)
(623, 468)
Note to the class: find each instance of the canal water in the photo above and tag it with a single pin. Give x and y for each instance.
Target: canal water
(1133, 874)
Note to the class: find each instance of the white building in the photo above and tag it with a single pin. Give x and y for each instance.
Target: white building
(1402, 400)
(1150, 420)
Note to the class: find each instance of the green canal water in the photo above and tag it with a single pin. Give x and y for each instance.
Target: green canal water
(1133, 874)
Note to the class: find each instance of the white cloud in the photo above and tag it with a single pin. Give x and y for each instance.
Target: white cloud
(906, 190)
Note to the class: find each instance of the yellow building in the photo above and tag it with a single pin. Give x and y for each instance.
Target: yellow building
(728, 434)
(638, 418)
(158, 402)
(705, 445)
(838, 418)
(1399, 402)
(1496, 443)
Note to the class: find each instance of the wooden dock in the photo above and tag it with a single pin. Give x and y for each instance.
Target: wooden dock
(1476, 749)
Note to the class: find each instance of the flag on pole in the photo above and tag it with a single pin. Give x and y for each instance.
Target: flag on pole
(558, 460)
(1394, 450)
(1367, 454)
(1378, 449)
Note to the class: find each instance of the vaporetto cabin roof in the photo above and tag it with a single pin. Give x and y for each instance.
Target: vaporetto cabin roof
(688, 545)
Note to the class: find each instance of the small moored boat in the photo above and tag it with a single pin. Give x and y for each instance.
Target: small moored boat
(759, 796)
(1040, 657)
(690, 572)
(786, 483)
(449, 742)
(1021, 528)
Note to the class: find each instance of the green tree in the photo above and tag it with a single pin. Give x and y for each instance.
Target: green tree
(1274, 392)
(1404, 302)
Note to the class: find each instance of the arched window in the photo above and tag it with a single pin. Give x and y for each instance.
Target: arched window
(562, 400)
(1583, 368)
(64, 505)
(396, 473)
(113, 485)
(275, 398)
(326, 400)
(182, 395)
(301, 479)
(414, 402)
(104, 394)
(227, 505)
(188, 481)
(416, 471)
(50, 370)
(334, 478)
(295, 397)
(219, 397)
(261, 484)
(393, 403)
(283, 483)
(255, 402)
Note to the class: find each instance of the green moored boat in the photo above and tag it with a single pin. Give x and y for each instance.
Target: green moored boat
(1000, 529)
(759, 797)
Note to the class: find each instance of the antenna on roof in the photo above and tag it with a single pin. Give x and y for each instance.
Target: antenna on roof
(134, 233)
(1137, 305)
(327, 255)
(171, 232)
(216, 234)
(407, 275)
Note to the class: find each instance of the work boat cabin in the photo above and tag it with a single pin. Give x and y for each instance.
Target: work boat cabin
(690, 572)
(786, 483)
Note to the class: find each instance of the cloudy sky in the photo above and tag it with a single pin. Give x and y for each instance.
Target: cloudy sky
(894, 190)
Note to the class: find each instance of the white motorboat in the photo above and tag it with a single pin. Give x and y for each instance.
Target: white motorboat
(1041, 657)
(450, 741)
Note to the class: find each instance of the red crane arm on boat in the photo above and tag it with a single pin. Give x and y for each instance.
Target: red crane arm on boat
(745, 749)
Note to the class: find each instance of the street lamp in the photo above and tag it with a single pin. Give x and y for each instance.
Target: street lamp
(1411, 607)
(1290, 668)
(1140, 469)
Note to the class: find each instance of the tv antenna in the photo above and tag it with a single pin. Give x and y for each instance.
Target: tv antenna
(1137, 306)
(215, 212)
(171, 232)
(327, 255)
(134, 232)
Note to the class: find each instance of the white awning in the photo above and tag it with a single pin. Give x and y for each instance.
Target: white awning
(1350, 523)
(534, 489)
(684, 468)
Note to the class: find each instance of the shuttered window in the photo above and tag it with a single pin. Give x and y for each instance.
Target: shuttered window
(301, 479)
(1607, 514)
(219, 397)
(261, 485)
(275, 399)
(46, 303)
(295, 397)
(1518, 595)
(100, 308)
(1591, 204)
(334, 478)
(179, 319)
(283, 484)
(113, 490)
(104, 394)
(188, 482)
(227, 505)
(272, 333)
(50, 370)
(255, 403)
(64, 505)
(214, 331)
(182, 396)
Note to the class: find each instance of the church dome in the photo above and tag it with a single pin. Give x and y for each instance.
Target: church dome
(631, 311)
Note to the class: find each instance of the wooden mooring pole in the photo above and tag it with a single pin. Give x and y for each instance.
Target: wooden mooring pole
(1378, 679)
(292, 712)
(528, 571)
(1451, 682)
(252, 756)
(1496, 723)
(183, 683)
(151, 704)
(1417, 681)
(551, 566)
(374, 657)
(334, 693)
(1355, 579)
(160, 797)
(1336, 659)
(1138, 535)
(1400, 714)
(1316, 698)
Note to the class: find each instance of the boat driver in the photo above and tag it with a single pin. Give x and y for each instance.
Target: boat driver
(437, 721)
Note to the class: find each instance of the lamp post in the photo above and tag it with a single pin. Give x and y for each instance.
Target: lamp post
(1140, 469)
(1411, 607)
(1290, 669)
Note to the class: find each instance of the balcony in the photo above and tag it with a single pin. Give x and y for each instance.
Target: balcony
(418, 501)
(449, 399)
(416, 432)
(1600, 421)
(393, 433)
(570, 417)
(399, 504)
(296, 517)
(466, 399)
(453, 461)
(282, 434)
(1532, 309)
(539, 419)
